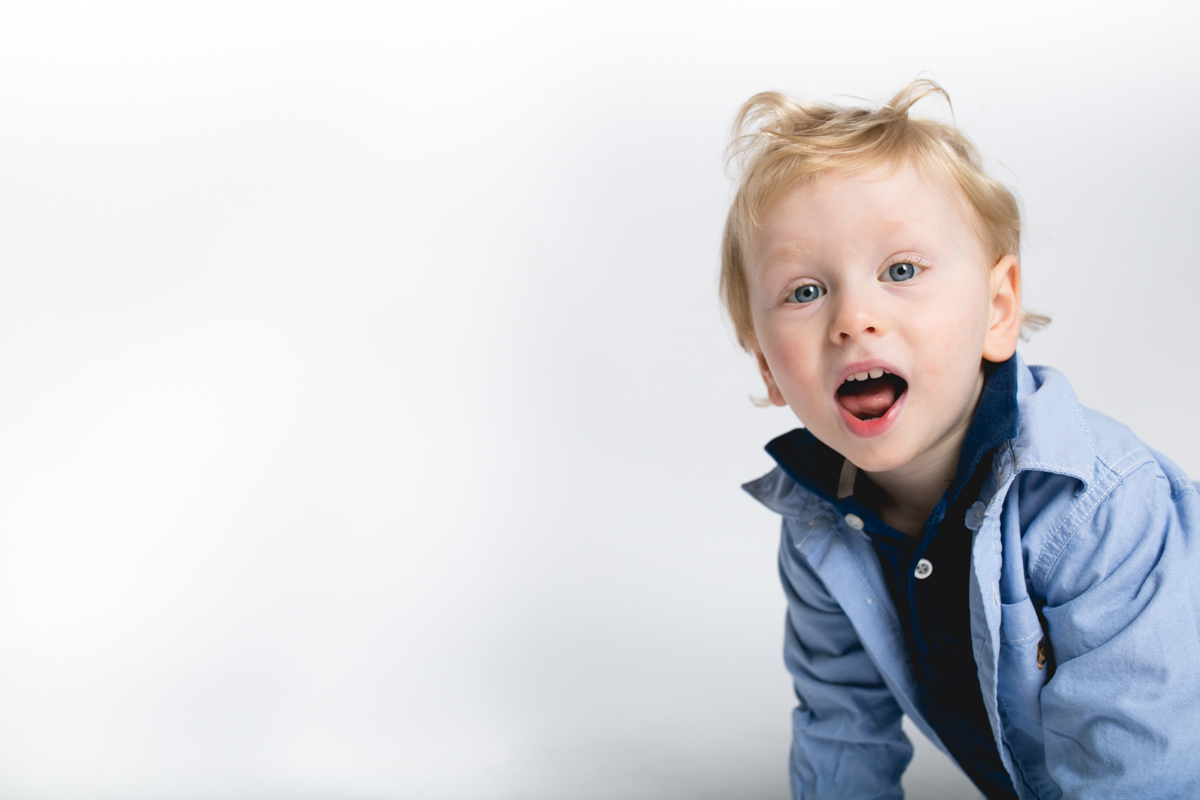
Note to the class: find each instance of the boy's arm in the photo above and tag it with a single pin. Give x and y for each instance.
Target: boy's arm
(1121, 715)
(846, 740)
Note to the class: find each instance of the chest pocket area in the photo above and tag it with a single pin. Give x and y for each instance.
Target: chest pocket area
(1025, 666)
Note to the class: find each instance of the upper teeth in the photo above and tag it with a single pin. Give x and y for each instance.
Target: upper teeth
(871, 373)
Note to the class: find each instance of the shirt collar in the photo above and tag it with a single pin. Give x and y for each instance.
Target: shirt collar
(817, 467)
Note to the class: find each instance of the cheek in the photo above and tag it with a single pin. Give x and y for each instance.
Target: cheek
(783, 343)
(787, 362)
(963, 314)
(792, 371)
(952, 341)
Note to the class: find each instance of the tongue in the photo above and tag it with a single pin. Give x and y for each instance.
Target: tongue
(872, 400)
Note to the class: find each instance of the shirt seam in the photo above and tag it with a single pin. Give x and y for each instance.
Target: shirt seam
(1049, 560)
(1183, 481)
(1038, 632)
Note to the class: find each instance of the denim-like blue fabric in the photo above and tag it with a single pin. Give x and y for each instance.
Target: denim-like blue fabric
(1084, 592)
(933, 613)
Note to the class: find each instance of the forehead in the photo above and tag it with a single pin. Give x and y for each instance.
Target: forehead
(858, 210)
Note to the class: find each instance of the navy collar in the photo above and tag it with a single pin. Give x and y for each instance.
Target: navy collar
(995, 421)
(817, 467)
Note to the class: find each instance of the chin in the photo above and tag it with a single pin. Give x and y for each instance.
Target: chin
(878, 460)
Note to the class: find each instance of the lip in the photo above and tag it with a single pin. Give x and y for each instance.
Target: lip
(868, 428)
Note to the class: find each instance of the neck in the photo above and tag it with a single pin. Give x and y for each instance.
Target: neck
(913, 490)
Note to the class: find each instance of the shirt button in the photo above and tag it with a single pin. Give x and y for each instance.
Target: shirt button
(975, 516)
(924, 569)
(854, 521)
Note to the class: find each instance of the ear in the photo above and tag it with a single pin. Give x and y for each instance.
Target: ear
(773, 393)
(1004, 315)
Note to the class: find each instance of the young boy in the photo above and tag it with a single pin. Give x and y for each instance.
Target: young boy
(962, 541)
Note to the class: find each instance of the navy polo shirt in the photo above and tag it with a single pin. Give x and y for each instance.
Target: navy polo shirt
(927, 576)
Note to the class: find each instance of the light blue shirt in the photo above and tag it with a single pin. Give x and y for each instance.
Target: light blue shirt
(1085, 619)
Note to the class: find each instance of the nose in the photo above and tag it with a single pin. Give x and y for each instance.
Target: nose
(856, 316)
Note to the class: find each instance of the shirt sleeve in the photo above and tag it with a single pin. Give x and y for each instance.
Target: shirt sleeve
(846, 735)
(1121, 579)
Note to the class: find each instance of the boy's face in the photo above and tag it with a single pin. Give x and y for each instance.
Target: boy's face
(879, 275)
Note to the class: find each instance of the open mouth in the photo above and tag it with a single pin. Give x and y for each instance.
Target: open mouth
(868, 395)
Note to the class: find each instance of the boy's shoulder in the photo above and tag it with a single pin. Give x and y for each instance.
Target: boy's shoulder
(1094, 499)
(1057, 434)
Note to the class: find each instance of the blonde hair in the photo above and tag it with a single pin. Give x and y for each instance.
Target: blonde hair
(780, 143)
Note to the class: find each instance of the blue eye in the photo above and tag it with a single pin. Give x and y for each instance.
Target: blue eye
(806, 293)
(902, 271)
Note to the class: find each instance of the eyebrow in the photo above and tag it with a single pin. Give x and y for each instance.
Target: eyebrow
(792, 248)
(782, 258)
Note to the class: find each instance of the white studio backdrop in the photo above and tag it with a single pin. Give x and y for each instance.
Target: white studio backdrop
(369, 426)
